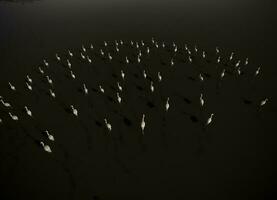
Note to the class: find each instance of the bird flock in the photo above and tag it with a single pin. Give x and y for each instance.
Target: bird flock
(112, 52)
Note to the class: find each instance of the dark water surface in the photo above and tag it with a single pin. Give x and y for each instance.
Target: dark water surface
(235, 160)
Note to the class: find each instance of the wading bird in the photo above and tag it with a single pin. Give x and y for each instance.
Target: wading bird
(263, 102)
(12, 87)
(52, 93)
(46, 147)
(257, 71)
(74, 110)
(144, 74)
(142, 125)
(50, 137)
(159, 76)
(68, 64)
(122, 74)
(14, 117)
(210, 119)
(201, 77)
(49, 80)
(85, 88)
(72, 74)
(70, 53)
(118, 97)
(29, 79)
(201, 100)
(101, 89)
(58, 57)
(108, 125)
(46, 63)
(167, 104)
(83, 48)
(28, 111)
(222, 74)
(6, 104)
(40, 70)
(29, 86)
(119, 86)
(231, 56)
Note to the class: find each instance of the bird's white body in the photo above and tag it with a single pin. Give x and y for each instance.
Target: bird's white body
(70, 53)
(91, 46)
(147, 50)
(217, 50)
(6, 104)
(239, 72)
(122, 74)
(83, 56)
(74, 111)
(201, 77)
(50, 137)
(52, 93)
(190, 59)
(49, 80)
(159, 76)
(263, 102)
(144, 74)
(72, 74)
(46, 63)
(40, 70)
(58, 57)
(201, 100)
(83, 48)
(172, 62)
(210, 119)
(222, 73)
(167, 104)
(12, 86)
(29, 79)
(14, 117)
(85, 88)
(142, 125)
(29, 86)
(119, 86)
(110, 57)
(238, 63)
(218, 59)
(101, 89)
(246, 61)
(231, 56)
(151, 86)
(28, 111)
(108, 125)
(257, 71)
(127, 60)
(68, 64)
(118, 98)
(46, 147)
(88, 58)
(203, 54)
(101, 52)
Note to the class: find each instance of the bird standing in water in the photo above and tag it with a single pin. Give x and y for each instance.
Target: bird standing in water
(108, 125)
(12, 86)
(14, 117)
(74, 110)
(142, 125)
(201, 100)
(210, 119)
(167, 104)
(46, 147)
(28, 111)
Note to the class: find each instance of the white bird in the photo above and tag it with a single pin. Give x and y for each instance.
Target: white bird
(246, 61)
(122, 74)
(239, 72)
(201, 100)
(263, 102)
(83, 56)
(46, 63)
(88, 58)
(210, 119)
(101, 89)
(14, 117)
(151, 86)
(231, 56)
(142, 43)
(102, 52)
(238, 63)
(50, 137)
(52, 93)
(1, 121)
(144, 74)
(118, 98)
(70, 53)
(40, 70)
(167, 104)
(171, 62)
(108, 125)
(105, 43)
(147, 50)
(29, 79)
(218, 59)
(137, 45)
(85, 88)
(12, 86)
(126, 59)
(28, 111)
(46, 147)
(138, 59)
(222, 73)
(257, 71)
(163, 45)
(190, 59)
(110, 57)
(72, 74)
(201, 77)
(189, 52)
(217, 50)
(83, 48)
(132, 43)
(49, 80)
(6, 104)
(117, 49)
(195, 48)
(91, 46)
(74, 110)
(119, 86)
(58, 57)
(203, 54)
(186, 47)
(121, 42)
(175, 49)
(68, 64)
(29, 86)
(159, 76)
(142, 125)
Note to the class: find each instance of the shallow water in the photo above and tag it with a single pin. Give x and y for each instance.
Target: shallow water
(237, 159)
